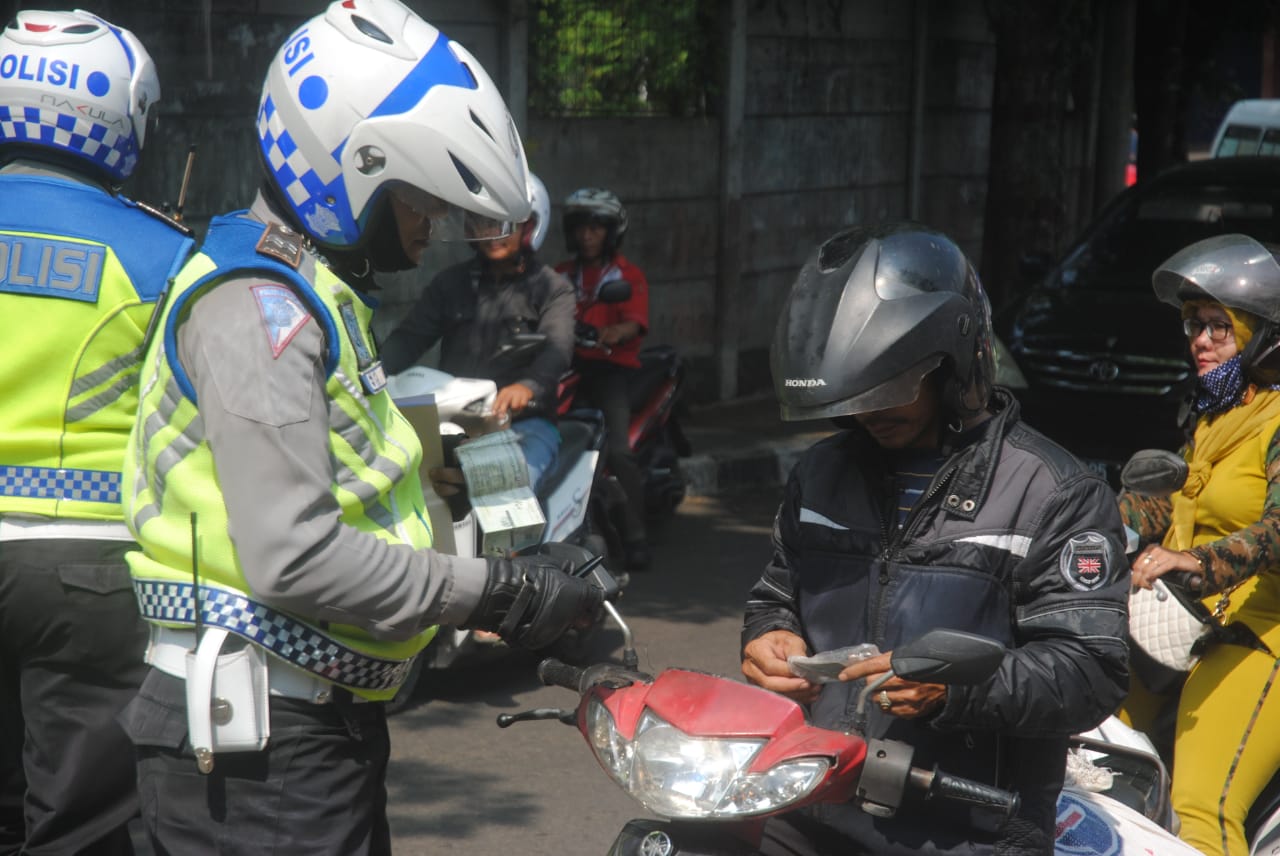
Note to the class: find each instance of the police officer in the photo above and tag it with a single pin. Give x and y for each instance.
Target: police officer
(271, 482)
(81, 268)
(935, 507)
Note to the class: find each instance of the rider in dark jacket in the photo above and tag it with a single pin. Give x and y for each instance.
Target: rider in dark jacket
(936, 507)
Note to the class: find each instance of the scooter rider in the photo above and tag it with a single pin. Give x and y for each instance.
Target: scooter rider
(82, 268)
(269, 464)
(474, 307)
(595, 222)
(934, 507)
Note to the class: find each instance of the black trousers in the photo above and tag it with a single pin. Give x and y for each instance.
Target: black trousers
(318, 788)
(71, 649)
(606, 387)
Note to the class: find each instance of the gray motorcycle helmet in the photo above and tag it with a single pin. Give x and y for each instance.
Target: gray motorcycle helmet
(1236, 271)
(872, 312)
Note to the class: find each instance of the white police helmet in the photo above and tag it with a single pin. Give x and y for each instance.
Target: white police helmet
(73, 83)
(369, 98)
(541, 215)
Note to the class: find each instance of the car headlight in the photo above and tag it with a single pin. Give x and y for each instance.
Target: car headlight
(678, 776)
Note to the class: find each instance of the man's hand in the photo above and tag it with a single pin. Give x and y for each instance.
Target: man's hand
(513, 399)
(447, 481)
(764, 662)
(531, 601)
(907, 699)
(616, 334)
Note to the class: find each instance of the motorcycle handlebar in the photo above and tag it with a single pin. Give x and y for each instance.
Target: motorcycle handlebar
(555, 673)
(936, 783)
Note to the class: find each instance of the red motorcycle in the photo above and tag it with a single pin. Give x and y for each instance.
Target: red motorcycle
(654, 434)
(716, 756)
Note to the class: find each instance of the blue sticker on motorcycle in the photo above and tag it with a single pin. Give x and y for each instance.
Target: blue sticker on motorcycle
(1083, 830)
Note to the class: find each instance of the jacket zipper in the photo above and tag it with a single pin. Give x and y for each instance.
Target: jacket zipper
(892, 542)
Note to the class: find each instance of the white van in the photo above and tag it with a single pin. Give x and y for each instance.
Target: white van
(1251, 127)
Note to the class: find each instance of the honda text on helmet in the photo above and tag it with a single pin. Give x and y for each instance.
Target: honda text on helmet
(873, 312)
(73, 84)
(1240, 273)
(369, 99)
(594, 205)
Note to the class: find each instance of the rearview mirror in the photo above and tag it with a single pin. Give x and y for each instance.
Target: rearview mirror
(1158, 472)
(517, 350)
(948, 657)
(615, 291)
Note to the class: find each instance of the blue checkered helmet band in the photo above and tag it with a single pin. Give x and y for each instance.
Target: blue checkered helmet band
(298, 643)
(106, 148)
(306, 193)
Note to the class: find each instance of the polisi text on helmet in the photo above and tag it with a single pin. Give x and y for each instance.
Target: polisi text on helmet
(297, 52)
(53, 72)
(804, 381)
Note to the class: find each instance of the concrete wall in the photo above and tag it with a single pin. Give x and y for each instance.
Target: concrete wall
(845, 111)
(833, 103)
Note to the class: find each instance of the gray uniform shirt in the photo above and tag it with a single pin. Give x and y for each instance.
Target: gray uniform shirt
(266, 420)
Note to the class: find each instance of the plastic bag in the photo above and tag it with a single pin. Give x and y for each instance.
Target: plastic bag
(826, 666)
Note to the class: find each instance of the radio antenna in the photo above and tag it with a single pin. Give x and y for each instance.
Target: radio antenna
(195, 579)
(186, 182)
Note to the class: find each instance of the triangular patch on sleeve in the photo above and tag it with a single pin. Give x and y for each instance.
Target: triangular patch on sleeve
(283, 315)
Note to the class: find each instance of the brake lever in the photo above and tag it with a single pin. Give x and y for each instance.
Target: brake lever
(568, 717)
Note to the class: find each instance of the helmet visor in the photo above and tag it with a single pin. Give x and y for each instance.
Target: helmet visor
(450, 222)
(898, 391)
(1234, 270)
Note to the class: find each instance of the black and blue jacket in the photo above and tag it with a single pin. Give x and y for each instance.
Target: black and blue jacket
(1014, 540)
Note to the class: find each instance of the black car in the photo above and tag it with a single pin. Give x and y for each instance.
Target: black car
(1106, 365)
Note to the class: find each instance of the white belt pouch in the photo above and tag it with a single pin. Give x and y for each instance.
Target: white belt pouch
(227, 708)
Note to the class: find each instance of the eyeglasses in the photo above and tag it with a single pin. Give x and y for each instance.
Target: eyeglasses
(1218, 330)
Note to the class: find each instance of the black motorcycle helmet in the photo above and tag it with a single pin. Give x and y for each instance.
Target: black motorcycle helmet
(1240, 273)
(875, 310)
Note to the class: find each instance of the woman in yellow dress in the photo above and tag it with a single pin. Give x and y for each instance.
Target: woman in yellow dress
(1223, 528)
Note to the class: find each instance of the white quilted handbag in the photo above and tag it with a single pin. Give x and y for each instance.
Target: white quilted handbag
(1166, 622)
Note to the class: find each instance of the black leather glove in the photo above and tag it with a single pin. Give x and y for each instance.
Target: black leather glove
(531, 601)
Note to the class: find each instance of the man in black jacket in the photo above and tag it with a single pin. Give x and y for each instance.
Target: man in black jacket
(475, 307)
(936, 507)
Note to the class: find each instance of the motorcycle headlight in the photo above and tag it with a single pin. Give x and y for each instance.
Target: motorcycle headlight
(679, 776)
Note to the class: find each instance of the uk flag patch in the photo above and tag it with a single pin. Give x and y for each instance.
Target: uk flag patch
(283, 315)
(1085, 562)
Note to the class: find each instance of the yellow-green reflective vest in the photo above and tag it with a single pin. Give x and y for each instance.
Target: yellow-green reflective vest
(80, 273)
(169, 474)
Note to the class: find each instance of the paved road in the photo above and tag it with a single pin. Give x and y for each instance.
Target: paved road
(459, 784)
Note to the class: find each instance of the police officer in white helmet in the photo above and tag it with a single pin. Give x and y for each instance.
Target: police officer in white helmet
(286, 566)
(81, 269)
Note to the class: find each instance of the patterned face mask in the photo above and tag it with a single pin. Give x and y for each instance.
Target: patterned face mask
(1219, 390)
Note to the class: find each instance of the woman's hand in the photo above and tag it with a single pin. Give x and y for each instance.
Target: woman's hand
(1156, 561)
(906, 699)
(764, 662)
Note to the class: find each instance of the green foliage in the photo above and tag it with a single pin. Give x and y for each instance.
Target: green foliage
(622, 58)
